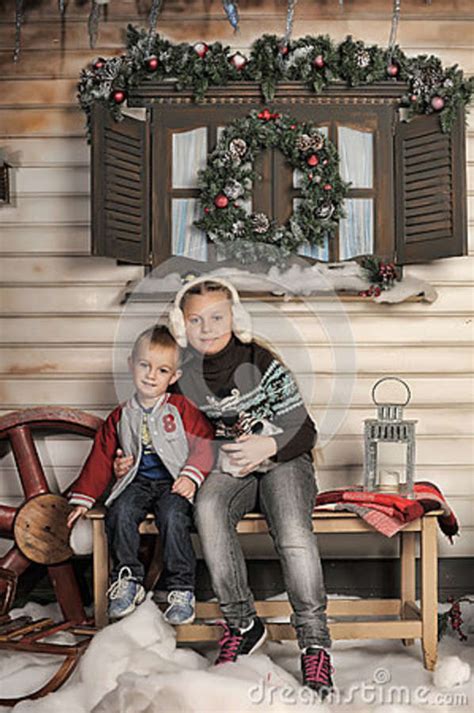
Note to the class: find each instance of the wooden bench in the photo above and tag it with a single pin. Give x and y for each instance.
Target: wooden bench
(408, 621)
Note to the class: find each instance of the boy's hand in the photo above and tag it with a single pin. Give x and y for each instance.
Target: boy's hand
(249, 451)
(184, 486)
(78, 512)
(122, 464)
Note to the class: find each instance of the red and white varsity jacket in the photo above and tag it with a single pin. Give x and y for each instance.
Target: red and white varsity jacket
(180, 434)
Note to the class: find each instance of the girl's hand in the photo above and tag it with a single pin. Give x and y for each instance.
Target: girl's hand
(184, 486)
(78, 512)
(249, 451)
(122, 464)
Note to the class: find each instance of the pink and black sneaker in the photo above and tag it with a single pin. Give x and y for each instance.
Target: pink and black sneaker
(235, 643)
(317, 670)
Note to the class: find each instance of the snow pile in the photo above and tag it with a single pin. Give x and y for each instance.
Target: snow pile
(450, 672)
(298, 280)
(134, 666)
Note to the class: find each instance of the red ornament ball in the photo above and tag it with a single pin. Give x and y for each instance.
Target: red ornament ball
(319, 62)
(327, 187)
(293, 126)
(437, 103)
(152, 63)
(118, 96)
(413, 98)
(392, 70)
(201, 49)
(221, 201)
(238, 60)
(312, 160)
(284, 50)
(99, 63)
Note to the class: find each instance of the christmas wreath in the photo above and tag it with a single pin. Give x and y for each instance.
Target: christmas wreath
(229, 175)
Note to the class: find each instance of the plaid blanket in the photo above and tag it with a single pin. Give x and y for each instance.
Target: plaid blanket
(388, 513)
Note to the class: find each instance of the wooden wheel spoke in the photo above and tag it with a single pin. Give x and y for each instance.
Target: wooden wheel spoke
(27, 459)
(7, 515)
(67, 592)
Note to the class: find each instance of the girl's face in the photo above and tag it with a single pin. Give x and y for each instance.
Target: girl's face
(208, 320)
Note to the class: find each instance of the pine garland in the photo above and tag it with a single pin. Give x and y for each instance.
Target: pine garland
(229, 175)
(315, 61)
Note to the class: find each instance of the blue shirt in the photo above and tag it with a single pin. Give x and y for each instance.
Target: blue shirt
(151, 465)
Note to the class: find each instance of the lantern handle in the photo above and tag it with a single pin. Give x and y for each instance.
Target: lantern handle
(391, 378)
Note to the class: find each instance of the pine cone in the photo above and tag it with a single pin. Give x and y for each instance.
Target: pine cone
(233, 190)
(260, 223)
(237, 148)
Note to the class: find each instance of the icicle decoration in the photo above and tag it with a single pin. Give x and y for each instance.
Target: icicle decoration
(94, 20)
(232, 12)
(394, 28)
(152, 20)
(290, 16)
(19, 17)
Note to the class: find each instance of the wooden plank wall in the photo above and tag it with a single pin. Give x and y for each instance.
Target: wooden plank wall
(60, 306)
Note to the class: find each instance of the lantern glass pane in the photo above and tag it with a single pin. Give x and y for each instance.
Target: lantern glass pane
(189, 156)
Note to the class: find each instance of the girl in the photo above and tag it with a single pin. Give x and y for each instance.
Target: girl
(246, 392)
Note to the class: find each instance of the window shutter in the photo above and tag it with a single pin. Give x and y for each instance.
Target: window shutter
(431, 190)
(120, 187)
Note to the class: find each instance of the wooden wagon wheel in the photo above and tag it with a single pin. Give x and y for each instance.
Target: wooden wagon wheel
(18, 427)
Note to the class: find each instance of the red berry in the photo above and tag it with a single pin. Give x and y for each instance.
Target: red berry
(310, 176)
(327, 187)
(293, 126)
(206, 210)
(284, 50)
(118, 96)
(221, 201)
(98, 64)
(312, 160)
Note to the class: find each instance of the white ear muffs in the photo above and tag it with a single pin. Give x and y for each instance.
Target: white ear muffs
(177, 326)
(241, 320)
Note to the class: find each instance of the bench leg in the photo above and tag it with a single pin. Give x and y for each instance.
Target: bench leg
(407, 574)
(429, 591)
(101, 573)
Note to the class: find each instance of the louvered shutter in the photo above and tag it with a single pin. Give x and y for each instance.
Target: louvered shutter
(120, 187)
(431, 190)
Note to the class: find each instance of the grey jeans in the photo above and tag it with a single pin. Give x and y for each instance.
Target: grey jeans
(285, 495)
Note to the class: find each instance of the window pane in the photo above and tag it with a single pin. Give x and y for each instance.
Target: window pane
(297, 173)
(356, 154)
(319, 253)
(356, 232)
(189, 156)
(186, 239)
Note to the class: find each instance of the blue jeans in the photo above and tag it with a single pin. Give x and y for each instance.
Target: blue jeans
(285, 495)
(173, 515)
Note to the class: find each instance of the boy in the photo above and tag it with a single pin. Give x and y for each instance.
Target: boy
(171, 444)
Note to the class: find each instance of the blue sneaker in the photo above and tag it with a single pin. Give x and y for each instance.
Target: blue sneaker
(125, 594)
(181, 607)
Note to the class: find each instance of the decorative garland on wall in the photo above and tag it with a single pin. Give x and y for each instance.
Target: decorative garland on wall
(315, 61)
(230, 173)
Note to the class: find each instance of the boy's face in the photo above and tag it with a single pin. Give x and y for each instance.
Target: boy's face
(153, 368)
(208, 320)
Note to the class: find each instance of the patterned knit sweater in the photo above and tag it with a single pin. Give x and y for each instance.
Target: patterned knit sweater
(243, 384)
